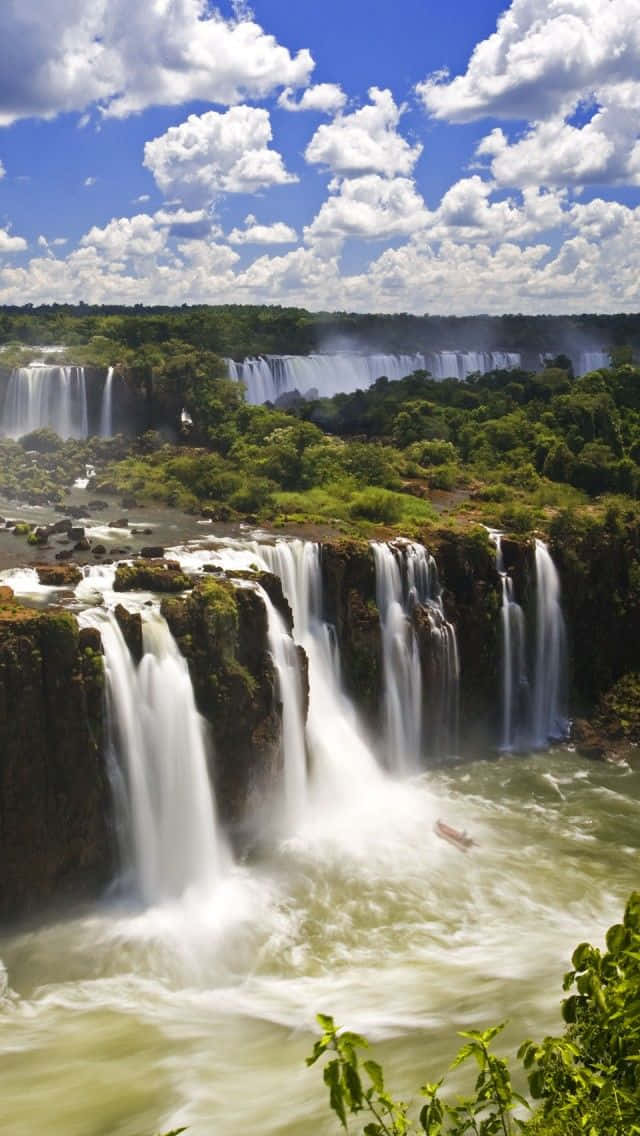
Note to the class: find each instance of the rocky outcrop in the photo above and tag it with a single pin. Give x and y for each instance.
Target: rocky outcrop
(55, 840)
(221, 629)
(349, 581)
(151, 576)
(471, 601)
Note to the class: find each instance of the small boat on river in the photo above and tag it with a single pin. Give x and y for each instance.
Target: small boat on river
(460, 840)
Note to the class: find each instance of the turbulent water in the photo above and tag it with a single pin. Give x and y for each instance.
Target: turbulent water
(129, 1021)
(266, 377)
(188, 996)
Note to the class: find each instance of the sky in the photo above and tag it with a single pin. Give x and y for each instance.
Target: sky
(450, 158)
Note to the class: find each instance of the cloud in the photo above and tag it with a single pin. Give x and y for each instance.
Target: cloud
(11, 244)
(365, 142)
(466, 213)
(571, 69)
(126, 237)
(2, 170)
(190, 224)
(142, 199)
(216, 153)
(326, 98)
(88, 182)
(127, 57)
(370, 207)
(544, 56)
(605, 150)
(276, 234)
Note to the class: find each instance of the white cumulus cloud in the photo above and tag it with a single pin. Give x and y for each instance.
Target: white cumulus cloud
(366, 141)
(68, 54)
(8, 243)
(216, 153)
(326, 98)
(254, 233)
(369, 207)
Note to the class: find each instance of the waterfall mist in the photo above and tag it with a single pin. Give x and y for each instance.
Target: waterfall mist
(40, 395)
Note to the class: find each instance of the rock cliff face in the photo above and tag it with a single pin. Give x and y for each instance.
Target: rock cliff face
(55, 839)
(349, 581)
(222, 631)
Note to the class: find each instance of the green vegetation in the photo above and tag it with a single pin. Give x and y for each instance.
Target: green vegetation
(586, 1082)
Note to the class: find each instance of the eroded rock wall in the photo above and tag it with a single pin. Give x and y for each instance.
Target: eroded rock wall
(55, 808)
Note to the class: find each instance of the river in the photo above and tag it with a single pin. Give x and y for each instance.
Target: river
(129, 1021)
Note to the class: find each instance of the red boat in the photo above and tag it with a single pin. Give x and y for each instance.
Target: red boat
(460, 840)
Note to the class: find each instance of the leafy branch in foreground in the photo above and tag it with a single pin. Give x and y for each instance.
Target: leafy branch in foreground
(486, 1113)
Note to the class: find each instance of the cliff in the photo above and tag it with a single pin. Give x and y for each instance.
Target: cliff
(55, 840)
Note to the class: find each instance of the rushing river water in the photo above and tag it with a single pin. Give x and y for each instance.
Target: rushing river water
(128, 1021)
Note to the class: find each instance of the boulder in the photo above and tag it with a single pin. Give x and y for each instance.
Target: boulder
(152, 552)
(58, 575)
(130, 624)
(151, 576)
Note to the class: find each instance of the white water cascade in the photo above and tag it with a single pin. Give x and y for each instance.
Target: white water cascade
(158, 740)
(285, 658)
(592, 361)
(532, 716)
(420, 710)
(40, 395)
(106, 408)
(515, 683)
(550, 721)
(340, 759)
(266, 377)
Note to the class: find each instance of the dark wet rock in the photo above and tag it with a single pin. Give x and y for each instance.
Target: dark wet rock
(63, 526)
(130, 624)
(349, 579)
(77, 511)
(98, 506)
(151, 576)
(55, 839)
(222, 631)
(82, 545)
(121, 523)
(58, 575)
(64, 554)
(76, 532)
(99, 550)
(128, 502)
(152, 552)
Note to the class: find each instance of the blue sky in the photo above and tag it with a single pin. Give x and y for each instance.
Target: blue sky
(359, 155)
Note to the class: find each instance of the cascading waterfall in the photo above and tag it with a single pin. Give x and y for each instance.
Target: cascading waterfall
(532, 716)
(340, 759)
(550, 721)
(269, 376)
(158, 740)
(592, 361)
(40, 395)
(420, 710)
(515, 683)
(285, 658)
(106, 409)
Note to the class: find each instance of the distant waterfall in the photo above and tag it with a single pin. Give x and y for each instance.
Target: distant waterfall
(414, 703)
(266, 377)
(40, 395)
(158, 740)
(340, 759)
(532, 715)
(592, 361)
(549, 695)
(106, 409)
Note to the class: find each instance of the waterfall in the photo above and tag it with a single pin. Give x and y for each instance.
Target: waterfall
(550, 720)
(514, 666)
(287, 663)
(269, 376)
(106, 409)
(158, 740)
(592, 361)
(340, 759)
(420, 709)
(532, 718)
(40, 395)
